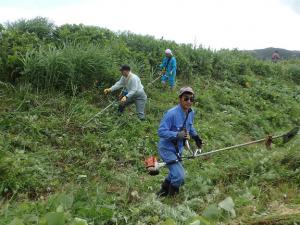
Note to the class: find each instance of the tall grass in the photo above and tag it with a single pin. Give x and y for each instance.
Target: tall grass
(71, 68)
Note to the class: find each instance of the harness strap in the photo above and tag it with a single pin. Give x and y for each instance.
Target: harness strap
(175, 142)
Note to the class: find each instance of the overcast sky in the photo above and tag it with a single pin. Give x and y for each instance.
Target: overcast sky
(242, 24)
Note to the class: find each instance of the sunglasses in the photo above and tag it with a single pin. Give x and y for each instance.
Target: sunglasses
(188, 98)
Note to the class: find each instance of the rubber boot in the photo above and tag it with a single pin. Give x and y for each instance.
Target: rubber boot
(173, 190)
(164, 191)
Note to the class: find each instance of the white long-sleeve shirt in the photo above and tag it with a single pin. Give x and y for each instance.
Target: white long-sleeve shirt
(132, 83)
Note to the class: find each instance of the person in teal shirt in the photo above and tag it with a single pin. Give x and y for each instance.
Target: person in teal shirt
(168, 68)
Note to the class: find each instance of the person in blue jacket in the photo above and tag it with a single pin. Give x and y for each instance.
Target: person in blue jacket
(175, 128)
(168, 68)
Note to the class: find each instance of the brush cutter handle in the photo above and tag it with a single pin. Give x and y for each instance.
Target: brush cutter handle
(187, 144)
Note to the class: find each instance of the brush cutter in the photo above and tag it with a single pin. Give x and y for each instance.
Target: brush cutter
(161, 73)
(155, 79)
(153, 165)
(122, 93)
(99, 113)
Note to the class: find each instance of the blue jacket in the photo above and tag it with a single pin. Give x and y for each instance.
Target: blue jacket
(170, 125)
(172, 66)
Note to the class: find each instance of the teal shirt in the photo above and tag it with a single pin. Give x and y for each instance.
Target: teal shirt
(171, 67)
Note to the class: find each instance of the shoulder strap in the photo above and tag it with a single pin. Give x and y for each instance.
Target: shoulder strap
(169, 59)
(174, 142)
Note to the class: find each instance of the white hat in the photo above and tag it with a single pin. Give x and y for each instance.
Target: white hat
(168, 51)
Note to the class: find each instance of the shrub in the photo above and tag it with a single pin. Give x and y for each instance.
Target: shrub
(12, 45)
(294, 72)
(39, 26)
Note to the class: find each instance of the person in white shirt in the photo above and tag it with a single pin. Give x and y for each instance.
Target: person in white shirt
(133, 91)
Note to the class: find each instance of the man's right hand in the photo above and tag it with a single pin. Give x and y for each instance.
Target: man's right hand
(183, 135)
(107, 90)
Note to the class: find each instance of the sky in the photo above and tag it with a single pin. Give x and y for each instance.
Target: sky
(215, 24)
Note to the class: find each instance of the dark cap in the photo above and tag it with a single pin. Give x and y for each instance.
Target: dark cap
(125, 67)
(185, 90)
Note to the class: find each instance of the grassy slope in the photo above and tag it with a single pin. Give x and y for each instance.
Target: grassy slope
(45, 150)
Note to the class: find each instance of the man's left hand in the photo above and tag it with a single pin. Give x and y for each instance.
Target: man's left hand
(123, 99)
(198, 141)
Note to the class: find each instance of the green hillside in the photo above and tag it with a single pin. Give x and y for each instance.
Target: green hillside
(56, 169)
(266, 53)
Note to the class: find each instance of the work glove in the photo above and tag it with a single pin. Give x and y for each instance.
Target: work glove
(183, 135)
(107, 90)
(198, 141)
(187, 136)
(123, 99)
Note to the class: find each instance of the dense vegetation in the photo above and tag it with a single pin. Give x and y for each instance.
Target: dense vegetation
(55, 169)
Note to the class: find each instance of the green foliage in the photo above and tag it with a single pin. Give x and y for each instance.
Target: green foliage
(228, 205)
(212, 212)
(16, 221)
(294, 72)
(26, 43)
(55, 218)
(39, 26)
(13, 44)
(71, 68)
(261, 68)
(43, 145)
(83, 34)
(198, 220)
(55, 170)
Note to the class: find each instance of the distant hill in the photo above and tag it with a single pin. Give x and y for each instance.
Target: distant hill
(266, 53)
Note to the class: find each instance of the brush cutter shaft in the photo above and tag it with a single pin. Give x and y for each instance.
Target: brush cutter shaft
(292, 133)
(99, 113)
(103, 110)
(154, 80)
(287, 136)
